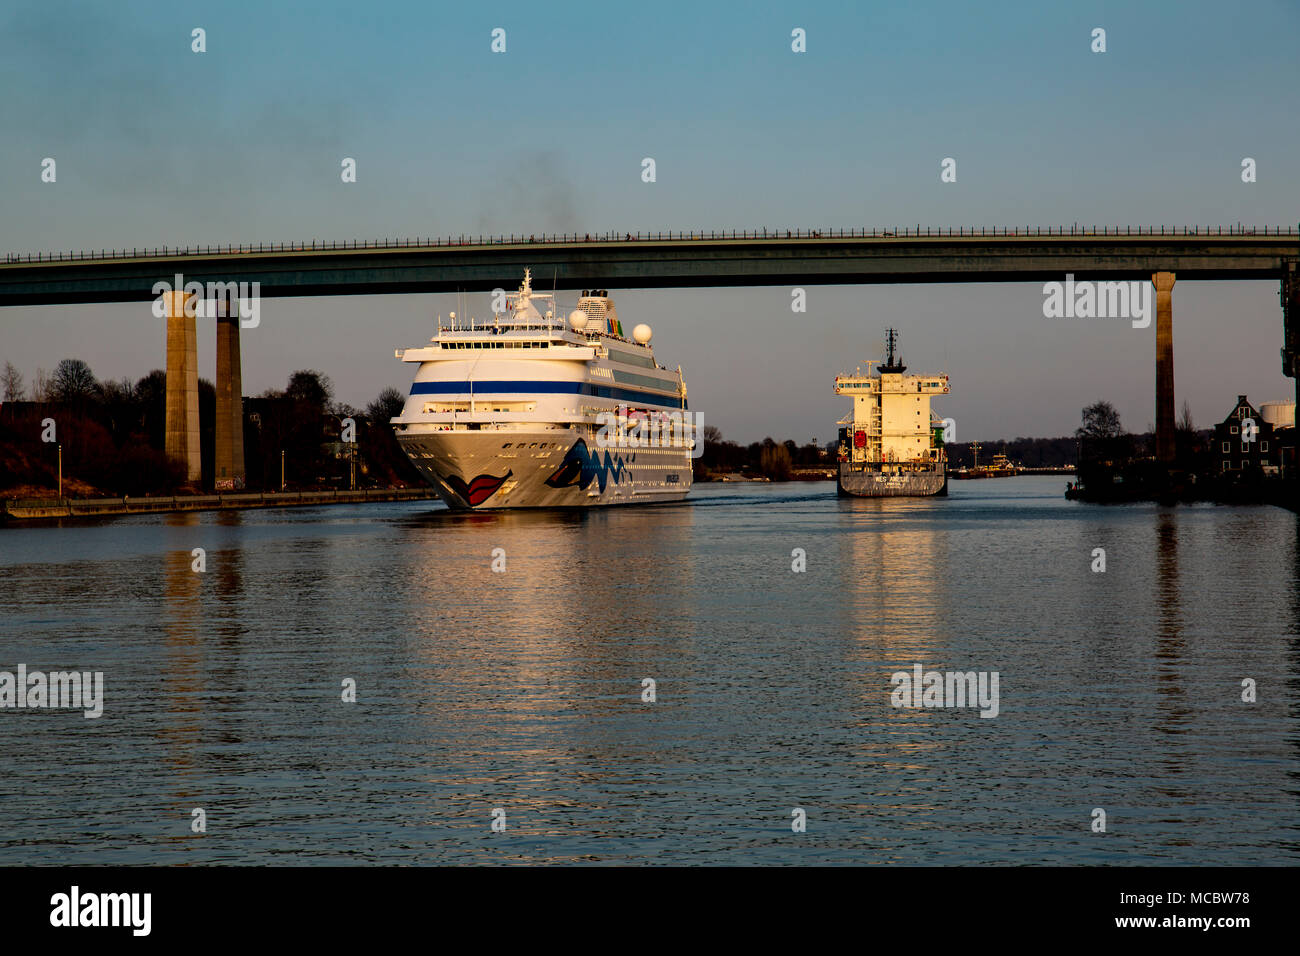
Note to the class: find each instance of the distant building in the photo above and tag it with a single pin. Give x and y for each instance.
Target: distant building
(1234, 452)
(1281, 415)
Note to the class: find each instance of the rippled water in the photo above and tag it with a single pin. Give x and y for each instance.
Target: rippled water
(522, 690)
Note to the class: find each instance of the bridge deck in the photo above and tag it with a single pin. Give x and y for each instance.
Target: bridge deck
(659, 260)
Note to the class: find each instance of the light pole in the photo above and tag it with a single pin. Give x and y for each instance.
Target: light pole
(282, 469)
(60, 471)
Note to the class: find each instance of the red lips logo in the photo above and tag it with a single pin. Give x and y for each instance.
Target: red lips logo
(479, 490)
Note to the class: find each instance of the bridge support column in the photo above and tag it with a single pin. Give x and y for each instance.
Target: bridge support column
(1291, 322)
(229, 465)
(1165, 446)
(182, 409)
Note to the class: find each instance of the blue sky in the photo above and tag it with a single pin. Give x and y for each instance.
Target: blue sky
(158, 145)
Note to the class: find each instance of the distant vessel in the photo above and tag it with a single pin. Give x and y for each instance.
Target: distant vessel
(527, 411)
(1001, 467)
(891, 444)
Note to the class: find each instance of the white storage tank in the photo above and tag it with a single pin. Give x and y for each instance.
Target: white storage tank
(1278, 414)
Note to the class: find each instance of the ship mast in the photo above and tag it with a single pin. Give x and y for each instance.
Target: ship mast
(893, 361)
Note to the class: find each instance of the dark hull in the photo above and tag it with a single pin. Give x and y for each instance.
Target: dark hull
(873, 484)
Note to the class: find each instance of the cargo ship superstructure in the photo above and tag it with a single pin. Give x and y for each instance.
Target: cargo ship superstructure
(891, 444)
(515, 411)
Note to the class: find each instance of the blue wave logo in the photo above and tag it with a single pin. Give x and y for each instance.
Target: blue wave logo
(580, 467)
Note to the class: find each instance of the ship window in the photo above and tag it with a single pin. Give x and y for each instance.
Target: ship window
(1227, 446)
(1263, 446)
(506, 445)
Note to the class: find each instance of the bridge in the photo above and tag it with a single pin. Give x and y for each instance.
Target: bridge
(768, 257)
(660, 260)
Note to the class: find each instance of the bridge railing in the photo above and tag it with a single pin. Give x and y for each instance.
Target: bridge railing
(431, 242)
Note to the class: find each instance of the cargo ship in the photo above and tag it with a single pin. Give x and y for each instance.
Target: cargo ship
(1002, 467)
(891, 444)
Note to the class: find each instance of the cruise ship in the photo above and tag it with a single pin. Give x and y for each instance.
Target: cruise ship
(891, 443)
(531, 409)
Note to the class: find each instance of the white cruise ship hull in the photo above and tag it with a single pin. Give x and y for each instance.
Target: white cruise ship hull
(530, 410)
(547, 468)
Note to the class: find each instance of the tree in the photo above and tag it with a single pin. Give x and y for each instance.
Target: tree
(388, 404)
(122, 414)
(151, 399)
(73, 381)
(41, 386)
(774, 461)
(116, 393)
(310, 387)
(1185, 422)
(1100, 420)
(12, 383)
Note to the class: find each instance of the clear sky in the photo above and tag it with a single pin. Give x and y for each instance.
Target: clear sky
(156, 144)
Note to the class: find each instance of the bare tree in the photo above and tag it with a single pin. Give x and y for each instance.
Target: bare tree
(73, 381)
(42, 389)
(387, 405)
(12, 383)
(311, 388)
(1100, 420)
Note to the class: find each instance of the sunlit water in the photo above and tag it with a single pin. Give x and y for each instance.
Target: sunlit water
(522, 690)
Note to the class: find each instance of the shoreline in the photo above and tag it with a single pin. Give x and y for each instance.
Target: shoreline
(15, 510)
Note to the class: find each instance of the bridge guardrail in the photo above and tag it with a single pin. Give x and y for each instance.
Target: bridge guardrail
(433, 242)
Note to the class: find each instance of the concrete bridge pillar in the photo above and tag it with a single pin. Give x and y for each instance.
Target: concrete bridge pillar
(229, 465)
(182, 416)
(1291, 322)
(1165, 446)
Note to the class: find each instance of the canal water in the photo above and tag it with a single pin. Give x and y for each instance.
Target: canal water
(519, 696)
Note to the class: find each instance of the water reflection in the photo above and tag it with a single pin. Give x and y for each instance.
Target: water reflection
(182, 675)
(1173, 711)
(521, 689)
(892, 566)
(548, 653)
(890, 573)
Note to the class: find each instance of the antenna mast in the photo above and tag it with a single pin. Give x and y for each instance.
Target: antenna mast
(893, 361)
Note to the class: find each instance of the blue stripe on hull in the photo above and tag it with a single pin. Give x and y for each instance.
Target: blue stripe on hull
(533, 388)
